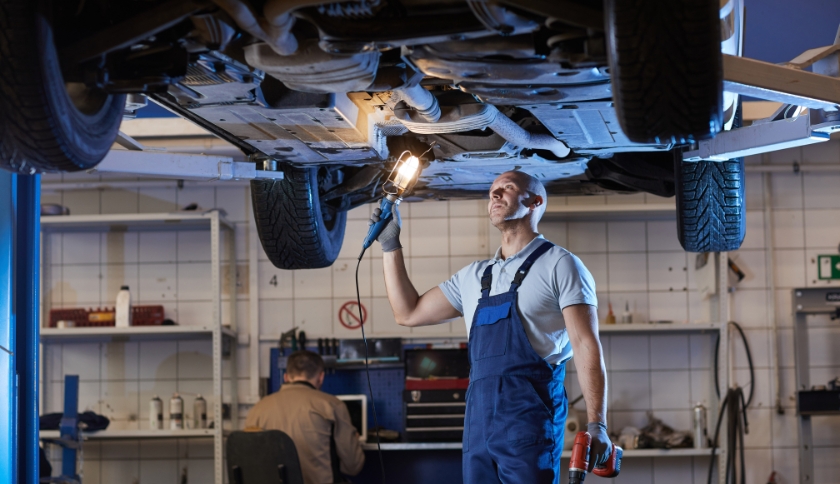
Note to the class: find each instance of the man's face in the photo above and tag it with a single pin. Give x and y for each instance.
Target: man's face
(508, 199)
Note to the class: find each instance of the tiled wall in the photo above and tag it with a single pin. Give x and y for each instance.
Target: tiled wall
(638, 263)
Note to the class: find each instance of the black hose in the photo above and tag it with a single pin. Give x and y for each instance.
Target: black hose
(367, 371)
(734, 406)
(749, 362)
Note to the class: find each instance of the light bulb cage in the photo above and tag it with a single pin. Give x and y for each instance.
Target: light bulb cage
(391, 185)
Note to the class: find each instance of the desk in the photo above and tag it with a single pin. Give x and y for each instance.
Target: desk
(413, 446)
(440, 462)
(413, 463)
(566, 453)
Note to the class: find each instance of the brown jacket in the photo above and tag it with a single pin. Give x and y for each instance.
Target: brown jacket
(308, 416)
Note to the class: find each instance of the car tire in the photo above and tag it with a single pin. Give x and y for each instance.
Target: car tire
(47, 125)
(291, 222)
(711, 211)
(666, 68)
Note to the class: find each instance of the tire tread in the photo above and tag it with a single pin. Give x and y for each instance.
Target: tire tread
(666, 68)
(32, 137)
(289, 222)
(711, 216)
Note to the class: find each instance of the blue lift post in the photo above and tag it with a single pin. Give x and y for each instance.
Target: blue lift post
(19, 326)
(69, 428)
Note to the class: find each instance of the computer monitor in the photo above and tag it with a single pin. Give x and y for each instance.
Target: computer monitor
(439, 363)
(357, 406)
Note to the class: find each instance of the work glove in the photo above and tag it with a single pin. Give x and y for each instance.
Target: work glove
(601, 447)
(390, 236)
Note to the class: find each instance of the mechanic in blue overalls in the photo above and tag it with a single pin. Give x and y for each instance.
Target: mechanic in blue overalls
(527, 310)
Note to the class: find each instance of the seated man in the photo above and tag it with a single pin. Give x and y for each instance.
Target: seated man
(312, 419)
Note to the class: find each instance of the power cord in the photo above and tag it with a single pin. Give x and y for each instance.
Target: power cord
(367, 370)
(734, 406)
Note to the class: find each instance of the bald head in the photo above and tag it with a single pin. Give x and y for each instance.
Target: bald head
(516, 195)
(533, 186)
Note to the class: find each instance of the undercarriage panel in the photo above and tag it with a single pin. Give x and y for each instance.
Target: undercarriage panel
(588, 127)
(302, 135)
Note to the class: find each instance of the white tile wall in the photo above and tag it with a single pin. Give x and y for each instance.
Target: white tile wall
(638, 263)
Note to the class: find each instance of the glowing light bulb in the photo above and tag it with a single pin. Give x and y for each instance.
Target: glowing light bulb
(409, 168)
(406, 172)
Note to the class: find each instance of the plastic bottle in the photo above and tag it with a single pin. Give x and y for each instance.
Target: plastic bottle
(176, 412)
(199, 412)
(610, 316)
(626, 316)
(123, 309)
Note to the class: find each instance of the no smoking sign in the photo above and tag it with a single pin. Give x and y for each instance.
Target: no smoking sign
(348, 315)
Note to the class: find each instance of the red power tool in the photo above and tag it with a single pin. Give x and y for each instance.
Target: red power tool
(580, 460)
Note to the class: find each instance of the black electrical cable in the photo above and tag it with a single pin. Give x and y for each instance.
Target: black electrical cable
(734, 406)
(749, 362)
(364, 340)
(367, 371)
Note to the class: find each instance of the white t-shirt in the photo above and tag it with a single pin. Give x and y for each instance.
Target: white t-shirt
(556, 280)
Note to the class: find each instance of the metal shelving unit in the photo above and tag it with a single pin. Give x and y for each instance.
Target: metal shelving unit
(634, 328)
(111, 333)
(621, 212)
(136, 434)
(223, 339)
(637, 328)
(810, 301)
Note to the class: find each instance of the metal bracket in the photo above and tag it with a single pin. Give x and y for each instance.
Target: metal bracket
(805, 302)
(814, 126)
(787, 85)
(201, 167)
(818, 91)
(128, 142)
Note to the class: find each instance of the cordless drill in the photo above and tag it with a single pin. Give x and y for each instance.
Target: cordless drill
(580, 460)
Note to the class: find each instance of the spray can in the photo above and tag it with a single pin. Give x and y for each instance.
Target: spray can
(199, 412)
(156, 413)
(626, 316)
(176, 412)
(701, 439)
(122, 310)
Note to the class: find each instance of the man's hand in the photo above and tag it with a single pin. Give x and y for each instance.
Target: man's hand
(601, 446)
(390, 236)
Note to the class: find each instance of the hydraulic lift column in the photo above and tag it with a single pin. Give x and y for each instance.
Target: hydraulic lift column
(19, 327)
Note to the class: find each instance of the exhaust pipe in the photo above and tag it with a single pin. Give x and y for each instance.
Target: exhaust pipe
(468, 117)
(423, 101)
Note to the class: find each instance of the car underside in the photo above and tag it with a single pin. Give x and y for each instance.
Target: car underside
(333, 93)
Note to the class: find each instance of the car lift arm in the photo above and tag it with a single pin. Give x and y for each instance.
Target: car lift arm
(818, 91)
(175, 165)
(787, 84)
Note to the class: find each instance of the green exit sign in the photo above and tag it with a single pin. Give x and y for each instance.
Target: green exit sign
(828, 266)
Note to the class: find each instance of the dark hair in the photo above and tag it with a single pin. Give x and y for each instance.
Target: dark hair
(304, 363)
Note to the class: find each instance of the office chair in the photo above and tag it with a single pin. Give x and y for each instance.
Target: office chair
(267, 457)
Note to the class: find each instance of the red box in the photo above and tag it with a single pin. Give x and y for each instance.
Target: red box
(438, 384)
(140, 316)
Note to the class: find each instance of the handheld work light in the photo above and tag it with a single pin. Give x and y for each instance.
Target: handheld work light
(400, 181)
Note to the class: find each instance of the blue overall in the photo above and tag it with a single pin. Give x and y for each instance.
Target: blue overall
(516, 403)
